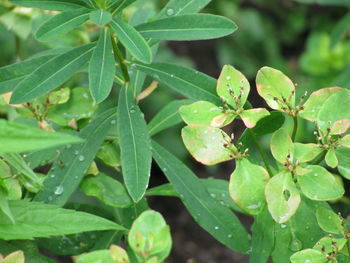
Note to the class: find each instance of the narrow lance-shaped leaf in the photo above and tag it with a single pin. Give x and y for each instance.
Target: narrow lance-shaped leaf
(167, 117)
(132, 40)
(100, 17)
(188, 27)
(73, 162)
(102, 68)
(35, 219)
(218, 220)
(52, 74)
(61, 24)
(117, 6)
(135, 145)
(61, 5)
(188, 82)
(15, 137)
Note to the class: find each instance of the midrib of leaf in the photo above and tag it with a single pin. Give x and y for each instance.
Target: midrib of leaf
(134, 88)
(175, 77)
(103, 56)
(164, 120)
(183, 29)
(53, 75)
(121, 4)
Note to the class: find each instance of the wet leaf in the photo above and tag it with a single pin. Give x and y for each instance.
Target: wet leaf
(308, 256)
(329, 221)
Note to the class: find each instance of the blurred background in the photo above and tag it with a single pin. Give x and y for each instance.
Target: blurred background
(306, 39)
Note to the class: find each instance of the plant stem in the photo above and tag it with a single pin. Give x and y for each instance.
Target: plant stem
(120, 59)
(262, 153)
(295, 128)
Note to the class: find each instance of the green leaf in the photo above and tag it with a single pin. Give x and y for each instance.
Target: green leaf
(319, 184)
(308, 255)
(263, 237)
(306, 152)
(340, 127)
(132, 40)
(329, 221)
(100, 17)
(110, 154)
(252, 116)
(61, 5)
(51, 74)
(96, 256)
(61, 24)
(102, 68)
(35, 219)
(273, 83)
(345, 141)
(328, 244)
(135, 146)
(343, 155)
(15, 137)
(331, 158)
(282, 197)
(339, 30)
(118, 6)
(108, 190)
(205, 113)
(15, 257)
(150, 235)
(218, 220)
(119, 255)
(207, 144)
(248, 177)
(232, 83)
(70, 167)
(188, 27)
(314, 103)
(181, 7)
(4, 206)
(188, 82)
(282, 147)
(167, 117)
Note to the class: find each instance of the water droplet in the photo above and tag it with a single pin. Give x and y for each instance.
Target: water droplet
(81, 158)
(307, 228)
(132, 111)
(86, 96)
(228, 78)
(223, 195)
(165, 169)
(52, 175)
(181, 196)
(295, 244)
(76, 152)
(216, 227)
(316, 174)
(113, 122)
(172, 75)
(213, 195)
(25, 155)
(170, 11)
(229, 236)
(133, 65)
(283, 226)
(59, 190)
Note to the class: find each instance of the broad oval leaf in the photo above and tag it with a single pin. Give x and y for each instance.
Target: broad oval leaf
(132, 40)
(167, 117)
(331, 158)
(51, 74)
(343, 156)
(188, 27)
(205, 113)
(329, 221)
(233, 87)
(272, 83)
(61, 5)
(135, 146)
(100, 17)
(248, 177)
(306, 152)
(207, 144)
(282, 147)
(218, 220)
(282, 197)
(34, 219)
(319, 184)
(252, 116)
(308, 255)
(108, 190)
(340, 127)
(15, 137)
(61, 24)
(102, 68)
(188, 82)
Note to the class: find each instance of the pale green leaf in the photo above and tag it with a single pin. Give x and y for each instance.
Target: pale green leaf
(95, 257)
(340, 127)
(306, 152)
(331, 158)
(119, 255)
(329, 244)
(282, 147)
(309, 256)
(343, 156)
(329, 221)
(15, 257)
(252, 116)
(345, 141)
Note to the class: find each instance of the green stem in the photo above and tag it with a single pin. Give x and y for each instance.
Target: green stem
(295, 128)
(262, 153)
(120, 59)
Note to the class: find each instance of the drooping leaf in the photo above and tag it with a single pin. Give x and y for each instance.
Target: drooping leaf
(61, 23)
(132, 40)
(306, 152)
(282, 197)
(108, 190)
(35, 219)
(329, 221)
(135, 146)
(167, 117)
(61, 5)
(219, 221)
(248, 177)
(282, 146)
(205, 113)
(313, 104)
(15, 137)
(102, 68)
(273, 83)
(232, 83)
(207, 144)
(188, 27)
(308, 255)
(70, 167)
(188, 82)
(252, 116)
(51, 74)
(319, 184)
(100, 17)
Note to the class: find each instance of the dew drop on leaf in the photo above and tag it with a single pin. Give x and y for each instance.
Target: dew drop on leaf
(59, 190)
(216, 228)
(81, 158)
(170, 11)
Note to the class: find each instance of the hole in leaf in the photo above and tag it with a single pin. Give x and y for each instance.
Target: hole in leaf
(286, 194)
